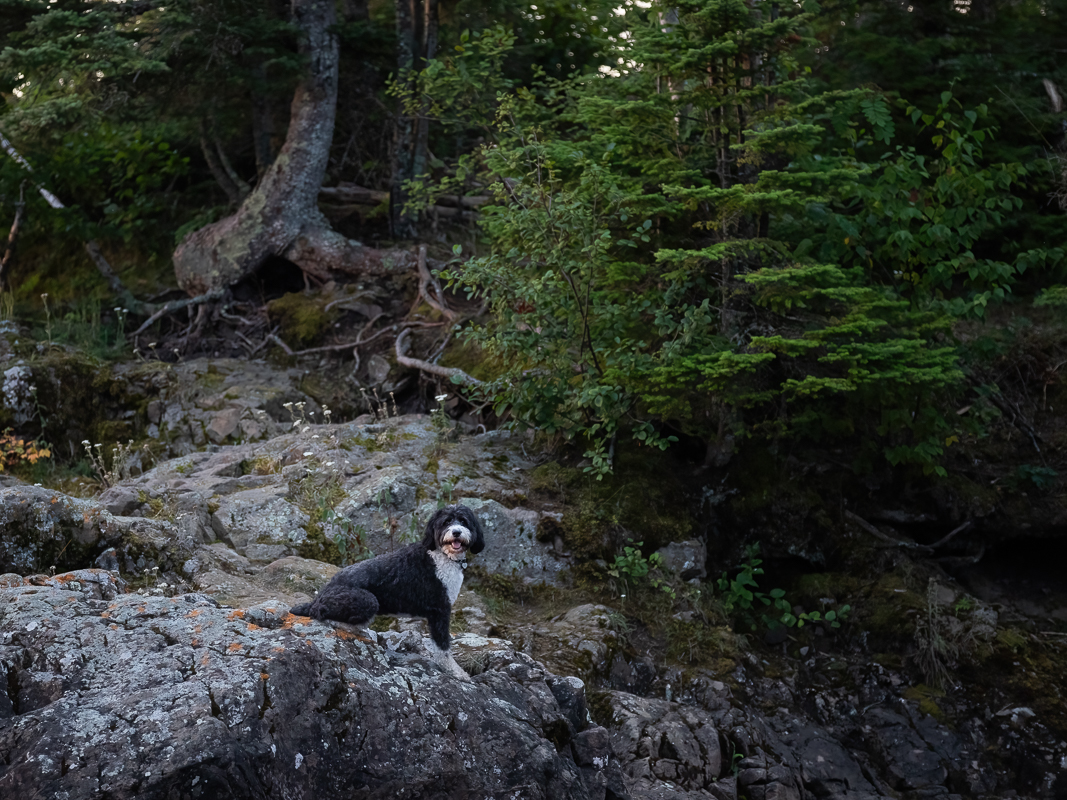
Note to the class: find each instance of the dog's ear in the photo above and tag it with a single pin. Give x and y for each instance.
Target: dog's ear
(477, 537)
(429, 538)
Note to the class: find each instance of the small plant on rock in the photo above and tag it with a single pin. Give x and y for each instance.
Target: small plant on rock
(122, 462)
(348, 538)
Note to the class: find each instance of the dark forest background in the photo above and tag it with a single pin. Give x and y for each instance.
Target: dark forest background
(799, 224)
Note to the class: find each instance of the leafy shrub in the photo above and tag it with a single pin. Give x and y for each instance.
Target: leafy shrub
(741, 597)
(633, 568)
(16, 450)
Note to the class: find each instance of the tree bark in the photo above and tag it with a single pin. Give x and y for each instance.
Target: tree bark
(281, 217)
(429, 50)
(281, 213)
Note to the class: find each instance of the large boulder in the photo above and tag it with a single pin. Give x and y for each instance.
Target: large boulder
(123, 696)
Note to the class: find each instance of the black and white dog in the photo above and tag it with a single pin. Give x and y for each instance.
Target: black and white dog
(420, 580)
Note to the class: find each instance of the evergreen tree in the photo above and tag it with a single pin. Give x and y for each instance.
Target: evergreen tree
(635, 282)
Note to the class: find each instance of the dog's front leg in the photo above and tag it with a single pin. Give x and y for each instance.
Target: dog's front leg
(442, 644)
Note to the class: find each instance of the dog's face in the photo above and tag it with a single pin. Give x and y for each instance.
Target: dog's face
(454, 530)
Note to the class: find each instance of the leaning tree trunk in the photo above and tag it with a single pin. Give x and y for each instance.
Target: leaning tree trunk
(280, 217)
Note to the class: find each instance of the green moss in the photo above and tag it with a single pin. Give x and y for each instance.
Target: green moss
(601, 707)
(926, 697)
(698, 644)
(302, 317)
(809, 589)
(473, 360)
(317, 546)
(1013, 640)
(890, 610)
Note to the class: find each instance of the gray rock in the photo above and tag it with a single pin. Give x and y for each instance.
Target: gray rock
(516, 550)
(42, 529)
(260, 524)
(910, 763)
(686, 559)
(664, 747)
(173, 697)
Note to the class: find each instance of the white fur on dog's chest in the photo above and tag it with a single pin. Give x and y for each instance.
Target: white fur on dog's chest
(449, 572)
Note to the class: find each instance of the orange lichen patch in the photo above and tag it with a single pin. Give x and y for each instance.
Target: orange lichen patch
(205, 660)
(264, 676)
(142, 608)
(253, 627)
(194, 642)
(234, 647)
(348, 636)
(236, 614)
(105, 614)
(198, 629)
(196, 612)
(289, 620)
(278, 649)
(113, 626)
(55, 499)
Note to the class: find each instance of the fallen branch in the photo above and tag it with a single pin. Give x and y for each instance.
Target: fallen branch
(924, 548)
(175, 305)
(870, 528)
(452, 373)
(427, 280)
(446, 205)
(20, 210)
(272, 337)
(127, 298)
(962, 527)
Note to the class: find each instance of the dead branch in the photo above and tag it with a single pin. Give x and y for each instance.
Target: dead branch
(175, 305)
(870, 528)
(891, 542)
(427, 280)
(330, 347)
(447, 205)
(944, 540)
(91, 247)
(452, 373)
(20, 209)
(281, 343)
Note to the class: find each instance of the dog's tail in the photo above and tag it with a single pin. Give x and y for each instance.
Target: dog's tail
(301, 610)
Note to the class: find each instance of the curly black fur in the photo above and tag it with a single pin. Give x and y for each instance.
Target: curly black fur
(414, 580)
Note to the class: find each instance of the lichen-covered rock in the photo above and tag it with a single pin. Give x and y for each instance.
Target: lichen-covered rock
(583, 641)
(685, 559)
(376, 483)
(154, 697)
(42, 530)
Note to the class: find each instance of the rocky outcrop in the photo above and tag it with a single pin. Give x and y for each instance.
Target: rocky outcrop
(125, 696)
(188, 678)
